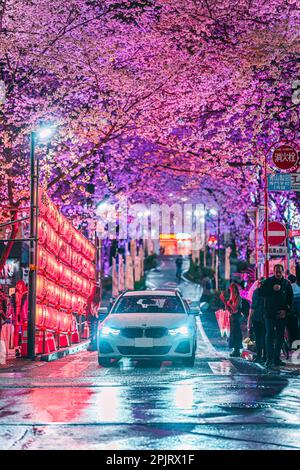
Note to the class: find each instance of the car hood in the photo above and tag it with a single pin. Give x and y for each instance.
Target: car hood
(124, 320)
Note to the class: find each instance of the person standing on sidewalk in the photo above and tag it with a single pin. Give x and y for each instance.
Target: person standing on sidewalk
(179, 262)
(278, 294)
(257, 320)
(234, 305)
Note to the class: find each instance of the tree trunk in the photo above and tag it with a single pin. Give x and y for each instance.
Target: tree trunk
(9, 245)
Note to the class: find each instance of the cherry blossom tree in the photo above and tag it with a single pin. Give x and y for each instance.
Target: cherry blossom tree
(150, 98)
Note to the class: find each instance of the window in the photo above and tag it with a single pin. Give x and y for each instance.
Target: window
(149, 304)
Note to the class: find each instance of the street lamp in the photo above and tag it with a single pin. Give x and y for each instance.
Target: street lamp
(39, 136)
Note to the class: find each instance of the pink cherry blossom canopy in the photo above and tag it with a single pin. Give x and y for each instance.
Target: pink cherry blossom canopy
(150, 98)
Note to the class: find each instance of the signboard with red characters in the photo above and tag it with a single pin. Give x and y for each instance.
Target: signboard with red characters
(285, 157)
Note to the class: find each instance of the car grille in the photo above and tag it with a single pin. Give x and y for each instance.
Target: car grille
(156, 332)
(155, 350)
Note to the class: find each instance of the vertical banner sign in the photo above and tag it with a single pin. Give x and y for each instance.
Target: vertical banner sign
(133, 249)
(137, 268)
(227, 263)
(142, 254)
(129, 283)
(115, 291)
(121, 274)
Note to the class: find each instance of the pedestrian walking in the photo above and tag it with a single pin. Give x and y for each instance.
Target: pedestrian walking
(278, 294)
(179, 263)
(256, 319)
(234, 306)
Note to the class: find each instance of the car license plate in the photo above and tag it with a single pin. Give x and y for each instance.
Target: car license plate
(143, 342)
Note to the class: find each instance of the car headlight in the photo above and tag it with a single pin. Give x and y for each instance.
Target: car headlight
(106, 331)
(183, 330)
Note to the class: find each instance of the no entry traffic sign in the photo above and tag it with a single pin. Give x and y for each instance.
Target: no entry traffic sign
(285, 157)
(276, 233)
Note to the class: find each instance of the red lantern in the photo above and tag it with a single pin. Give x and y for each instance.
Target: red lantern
(80, 304)
(41, 288)
(65, 276)
(85, 248)
(66, 230)
(65, 253)
(68, 300)
(53, 297)
(84, 267)
(76, 262)
(51, 318)
(65, 322)
(53, 216)
(63, 300)
(74, 302)
(42, 256)
(85, 287)
(77, 283)
(43, 202)
(91, 271)
(76, 241)
(42, 231)
(53, 268)
(40, 316)
(73, 324)
(52, 240)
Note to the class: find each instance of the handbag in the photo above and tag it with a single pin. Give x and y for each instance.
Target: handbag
(223, 319)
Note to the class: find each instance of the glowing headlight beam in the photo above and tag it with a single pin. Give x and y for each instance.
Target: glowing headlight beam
(106, 331)
(183, 330)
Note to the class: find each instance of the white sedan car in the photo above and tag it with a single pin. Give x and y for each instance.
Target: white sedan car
(148, 324)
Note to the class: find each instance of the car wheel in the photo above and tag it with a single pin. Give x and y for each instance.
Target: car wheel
(104, 361)
(190, 361)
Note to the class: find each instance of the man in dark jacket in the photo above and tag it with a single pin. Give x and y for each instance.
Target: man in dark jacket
(278, 294)
(256, 319)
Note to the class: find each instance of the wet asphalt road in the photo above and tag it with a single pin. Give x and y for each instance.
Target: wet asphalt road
(219, 404)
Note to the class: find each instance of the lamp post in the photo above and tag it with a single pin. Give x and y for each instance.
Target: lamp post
(42, 134)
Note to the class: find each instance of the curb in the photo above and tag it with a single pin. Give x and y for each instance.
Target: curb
(65, 352)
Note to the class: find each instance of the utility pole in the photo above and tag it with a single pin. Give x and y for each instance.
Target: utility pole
(32, 249)
(266, 222)
(219, 251)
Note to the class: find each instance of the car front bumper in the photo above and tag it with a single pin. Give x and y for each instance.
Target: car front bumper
(167, 347)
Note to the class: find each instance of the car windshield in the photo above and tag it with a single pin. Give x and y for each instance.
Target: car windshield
(149, 304)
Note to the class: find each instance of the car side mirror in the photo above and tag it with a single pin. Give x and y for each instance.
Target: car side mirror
(195, 312)
(102, 313)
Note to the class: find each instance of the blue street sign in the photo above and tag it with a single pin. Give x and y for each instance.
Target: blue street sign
(280, 182)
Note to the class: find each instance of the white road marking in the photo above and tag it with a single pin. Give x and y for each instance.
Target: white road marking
(208, 347)
(222, 368)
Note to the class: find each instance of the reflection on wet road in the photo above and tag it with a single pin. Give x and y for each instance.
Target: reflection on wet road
(221, 403)
(73, 403)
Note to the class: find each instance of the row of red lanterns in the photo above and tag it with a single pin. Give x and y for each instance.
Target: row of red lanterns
(54, 269)
(64, 228)
(50, 293)
(58, 247)
(49, 318)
